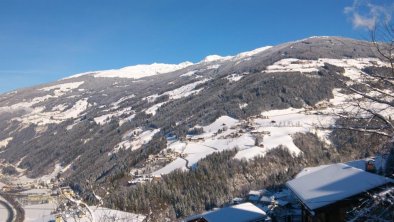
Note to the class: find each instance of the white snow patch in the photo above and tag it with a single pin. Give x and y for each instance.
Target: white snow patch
(177, 146)
(282, 124)
(234, 77)
(152, 110)
(185, 91)
(79, 75)
(190, 73)
(126, 119)
(252, 53)
(243, 105)
(39, 117)
(214, 58)
(181, 92)
(137, 140)
(103, 119)
(178, 163)
(106, 214)
(220, 123)
(141, 71)
(116, 104)
(39, 212)
(216, 66)
(4, 143)
(151, 98)
(240, 56)
(352, 66)
(62, 89)
(250, 153)
(60, 107)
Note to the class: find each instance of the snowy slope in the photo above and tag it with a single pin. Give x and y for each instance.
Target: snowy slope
(242, 101)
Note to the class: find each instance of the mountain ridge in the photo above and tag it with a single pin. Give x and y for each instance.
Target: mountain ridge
(95, 130)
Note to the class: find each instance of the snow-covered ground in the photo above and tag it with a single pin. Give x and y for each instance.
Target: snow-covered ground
(352, 66)
(101, 120)
(105, 214)
(135, 139)
(4, 143)
(185, 91)
(234, 77)
(3, 211)
(62, 89)
(181, 92)
(117, 103)
(39, 212)
(39, 117)
(238, 57)
(141, 71)
(188, 74)
(152, 110)
(274, 128)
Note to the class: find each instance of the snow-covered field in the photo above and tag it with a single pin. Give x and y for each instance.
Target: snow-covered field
(105, 214)
(352, 66)
(62, 89)
(101, 120)
(39, 117)
(274, 128)
(39, 212)
(181, 92)
(135, 139)
(185, 90)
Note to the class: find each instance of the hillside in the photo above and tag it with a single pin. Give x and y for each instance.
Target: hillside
(222, 114)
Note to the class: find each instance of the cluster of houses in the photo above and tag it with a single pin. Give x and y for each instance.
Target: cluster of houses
(167, 155)
(335, 192)
(143, 178)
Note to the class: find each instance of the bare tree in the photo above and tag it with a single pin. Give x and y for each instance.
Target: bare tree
(369, 106)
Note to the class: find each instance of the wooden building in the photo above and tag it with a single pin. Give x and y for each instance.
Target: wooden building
(327, 192)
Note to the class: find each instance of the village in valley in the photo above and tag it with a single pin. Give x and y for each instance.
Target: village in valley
(45, 199)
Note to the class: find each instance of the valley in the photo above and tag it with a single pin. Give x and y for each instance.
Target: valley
(148, 142)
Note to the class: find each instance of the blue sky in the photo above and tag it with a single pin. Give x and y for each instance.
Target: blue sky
(45, 40)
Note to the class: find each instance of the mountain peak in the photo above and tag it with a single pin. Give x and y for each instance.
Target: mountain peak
(137, 71)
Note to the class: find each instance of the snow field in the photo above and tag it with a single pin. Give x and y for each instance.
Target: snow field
(141, 71)
(4, 143)
(135, 139)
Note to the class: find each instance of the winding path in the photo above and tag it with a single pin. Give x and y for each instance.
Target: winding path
(187, 163)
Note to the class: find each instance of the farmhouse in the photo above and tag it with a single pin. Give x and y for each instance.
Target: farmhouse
(326, 192)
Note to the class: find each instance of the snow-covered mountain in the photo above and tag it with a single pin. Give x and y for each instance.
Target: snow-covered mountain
(161, 117)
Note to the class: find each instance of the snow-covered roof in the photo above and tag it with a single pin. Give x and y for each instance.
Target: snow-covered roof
(379, 162)
(309, 170)
(238, 213)
(333, 183)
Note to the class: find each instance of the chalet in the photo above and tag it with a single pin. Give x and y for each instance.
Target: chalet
(326, 192)
(245, 212)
